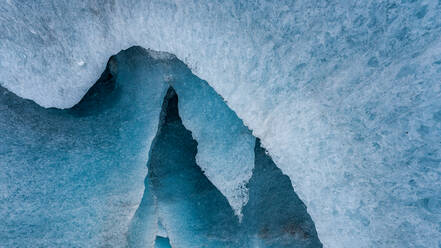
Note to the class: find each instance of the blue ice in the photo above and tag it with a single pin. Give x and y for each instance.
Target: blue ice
(121, 168)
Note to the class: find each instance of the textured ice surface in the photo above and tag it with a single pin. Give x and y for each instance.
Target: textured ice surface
(345, 95)
(225, 151)
(68, 176)
(85, 165)
(73, 177)
(192, 212)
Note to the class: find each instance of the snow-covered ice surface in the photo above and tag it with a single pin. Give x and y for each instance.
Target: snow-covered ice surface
(345, 95)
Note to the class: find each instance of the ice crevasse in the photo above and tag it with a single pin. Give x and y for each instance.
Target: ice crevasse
(344, 95)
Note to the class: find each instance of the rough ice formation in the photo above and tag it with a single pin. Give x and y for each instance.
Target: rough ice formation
(226, 146)
(189, 210)
(74, 177)
(67, 176)
(345, 95)
(225, 151)
(83, 170)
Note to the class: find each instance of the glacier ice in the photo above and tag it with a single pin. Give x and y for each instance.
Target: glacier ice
(344, 95)
(225, 150)
(74, 177)
(69, 175)
(192, 212)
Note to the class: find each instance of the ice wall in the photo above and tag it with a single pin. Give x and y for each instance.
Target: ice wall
(186, 207)
(85, 166)
(67, 176)
(191, 209)
(345, 95)
(225, 151)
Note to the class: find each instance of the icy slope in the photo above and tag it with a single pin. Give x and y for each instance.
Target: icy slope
(344, 95)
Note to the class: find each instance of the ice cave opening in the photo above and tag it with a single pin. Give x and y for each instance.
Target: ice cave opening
(209, 182)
